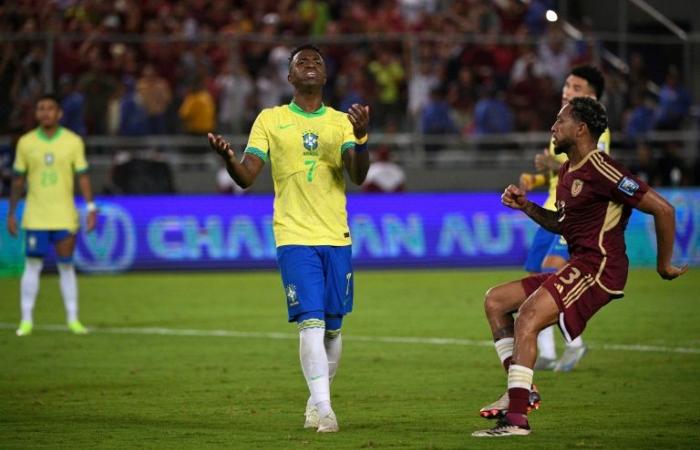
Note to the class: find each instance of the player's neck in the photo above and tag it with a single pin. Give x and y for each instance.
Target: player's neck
(49, 132)
(579, 152)
(308, 101)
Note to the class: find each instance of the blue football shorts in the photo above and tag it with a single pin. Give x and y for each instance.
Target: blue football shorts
(559, 248)
(37, 242)
(316, 278)
(538, 250)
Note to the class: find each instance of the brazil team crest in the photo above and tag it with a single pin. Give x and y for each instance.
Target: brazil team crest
(310, 140)
(576, 187)
(48, 159)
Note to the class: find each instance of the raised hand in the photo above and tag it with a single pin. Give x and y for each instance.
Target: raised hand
(514, 197)
(359, 118)
(544, 161)
(221, 146)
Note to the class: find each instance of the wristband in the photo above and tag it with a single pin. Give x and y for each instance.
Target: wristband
(91, 207)
(361, 148)
(362, 140)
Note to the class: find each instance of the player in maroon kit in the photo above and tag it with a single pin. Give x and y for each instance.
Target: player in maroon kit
(595, 197)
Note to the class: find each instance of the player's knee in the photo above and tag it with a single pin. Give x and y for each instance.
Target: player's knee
(493, 303)
(527, 322)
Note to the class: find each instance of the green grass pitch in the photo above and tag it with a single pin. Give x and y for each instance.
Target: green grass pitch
(135, 383)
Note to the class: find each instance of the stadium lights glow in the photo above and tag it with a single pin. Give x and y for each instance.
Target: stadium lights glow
(551, 16)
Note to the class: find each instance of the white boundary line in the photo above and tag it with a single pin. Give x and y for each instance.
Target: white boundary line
(158, 331)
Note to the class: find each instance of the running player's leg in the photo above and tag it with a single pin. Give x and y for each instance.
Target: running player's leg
(37, 244)
(64, 242)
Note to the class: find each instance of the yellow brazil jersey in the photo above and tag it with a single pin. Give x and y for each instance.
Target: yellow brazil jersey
(305, 152)
(50, 164)
(550, 203)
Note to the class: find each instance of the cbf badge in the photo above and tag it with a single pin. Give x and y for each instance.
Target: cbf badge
(291, 291)
(48, 159)
(310, 140)
(576, 187)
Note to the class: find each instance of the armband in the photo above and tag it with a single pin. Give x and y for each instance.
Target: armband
(362, 140)
(91, 207)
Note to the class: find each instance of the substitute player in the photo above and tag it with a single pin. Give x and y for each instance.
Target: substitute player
(48, 158)
(549, 251)
(308, 145)
(595, 197)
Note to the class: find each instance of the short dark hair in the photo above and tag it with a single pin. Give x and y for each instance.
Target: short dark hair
(49, 96)
(592, 113)
(304, 47)
(593, 76)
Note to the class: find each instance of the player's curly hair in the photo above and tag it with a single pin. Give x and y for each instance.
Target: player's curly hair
(303, 47)
(592, 113)
(593, 76)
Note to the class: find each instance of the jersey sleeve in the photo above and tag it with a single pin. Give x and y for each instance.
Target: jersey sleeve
(258, 141)
(604, 141)
(20, 165)
(617, 182)
(80, 164)
(348, 133)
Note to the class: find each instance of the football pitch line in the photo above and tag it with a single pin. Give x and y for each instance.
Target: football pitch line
(159, 331)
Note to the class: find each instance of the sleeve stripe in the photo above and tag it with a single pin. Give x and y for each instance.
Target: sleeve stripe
(18, 172)
(603, 171)
(257, 152)
(346, 146)
(609, 166)
(82, 170)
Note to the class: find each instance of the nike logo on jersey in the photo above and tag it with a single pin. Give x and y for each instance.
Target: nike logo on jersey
(282, 127)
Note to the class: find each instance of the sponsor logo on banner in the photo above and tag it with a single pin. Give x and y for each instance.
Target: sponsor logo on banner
(111, 246)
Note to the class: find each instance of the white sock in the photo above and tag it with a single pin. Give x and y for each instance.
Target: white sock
(69, 290)
(333, 341)
(545, 343)
(520, 377)
(578, 342)
(29, 286)
(314, 364)
(504, 348)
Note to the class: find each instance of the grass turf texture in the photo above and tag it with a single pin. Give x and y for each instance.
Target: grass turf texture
(127, 390)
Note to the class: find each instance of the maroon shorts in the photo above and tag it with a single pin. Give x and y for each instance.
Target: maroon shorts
(576, 292)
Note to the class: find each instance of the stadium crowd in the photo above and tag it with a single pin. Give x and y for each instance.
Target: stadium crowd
(472, 67)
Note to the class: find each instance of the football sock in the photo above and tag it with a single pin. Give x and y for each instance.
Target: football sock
(545, 343)
(504, 348)
(578, 342)
(333, 342)
(314, 364)
(519, 384)
(69, 290)
(29, 286)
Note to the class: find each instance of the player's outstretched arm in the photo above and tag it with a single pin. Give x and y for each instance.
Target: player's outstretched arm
(514, 197)
(86, 190)
(356, 160)
(244, 172)
(16, 191)
(665, 224)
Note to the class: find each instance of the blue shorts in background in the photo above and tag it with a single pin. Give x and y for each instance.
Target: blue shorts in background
(316, 278)
(538, 250)
(559, 247)
(37, 241)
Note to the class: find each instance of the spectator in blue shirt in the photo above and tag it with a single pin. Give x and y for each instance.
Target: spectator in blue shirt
(73, 105)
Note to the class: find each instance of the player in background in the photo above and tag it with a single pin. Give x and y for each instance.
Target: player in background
(595, 198)
(308, 145)
(48, 158)
(549, 251)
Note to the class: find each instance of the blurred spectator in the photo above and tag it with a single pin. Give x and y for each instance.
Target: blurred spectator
(198, 111)
(491, 114)
(384, 175)
(98, 87)
(462, 95)
(556, 51)
(640, 120)
(315, 15)
(235, 89)
(388, 75)
(7, 159)
(674, 102)
(73, 105)
(133, 120)
(644, 167)
(155, 96)
(424, 78)
(671, 169)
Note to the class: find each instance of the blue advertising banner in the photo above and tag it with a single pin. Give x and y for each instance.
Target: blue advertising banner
(400, 230)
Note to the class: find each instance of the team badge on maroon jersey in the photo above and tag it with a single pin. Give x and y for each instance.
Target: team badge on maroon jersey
(576, 187)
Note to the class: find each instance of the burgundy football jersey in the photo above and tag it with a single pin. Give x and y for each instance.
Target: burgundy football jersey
(594, 201)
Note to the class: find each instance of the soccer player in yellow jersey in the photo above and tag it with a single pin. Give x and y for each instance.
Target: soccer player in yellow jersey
(47, 159)
(309, 145)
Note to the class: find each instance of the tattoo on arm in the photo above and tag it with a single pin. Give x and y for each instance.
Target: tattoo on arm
(547, 219)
